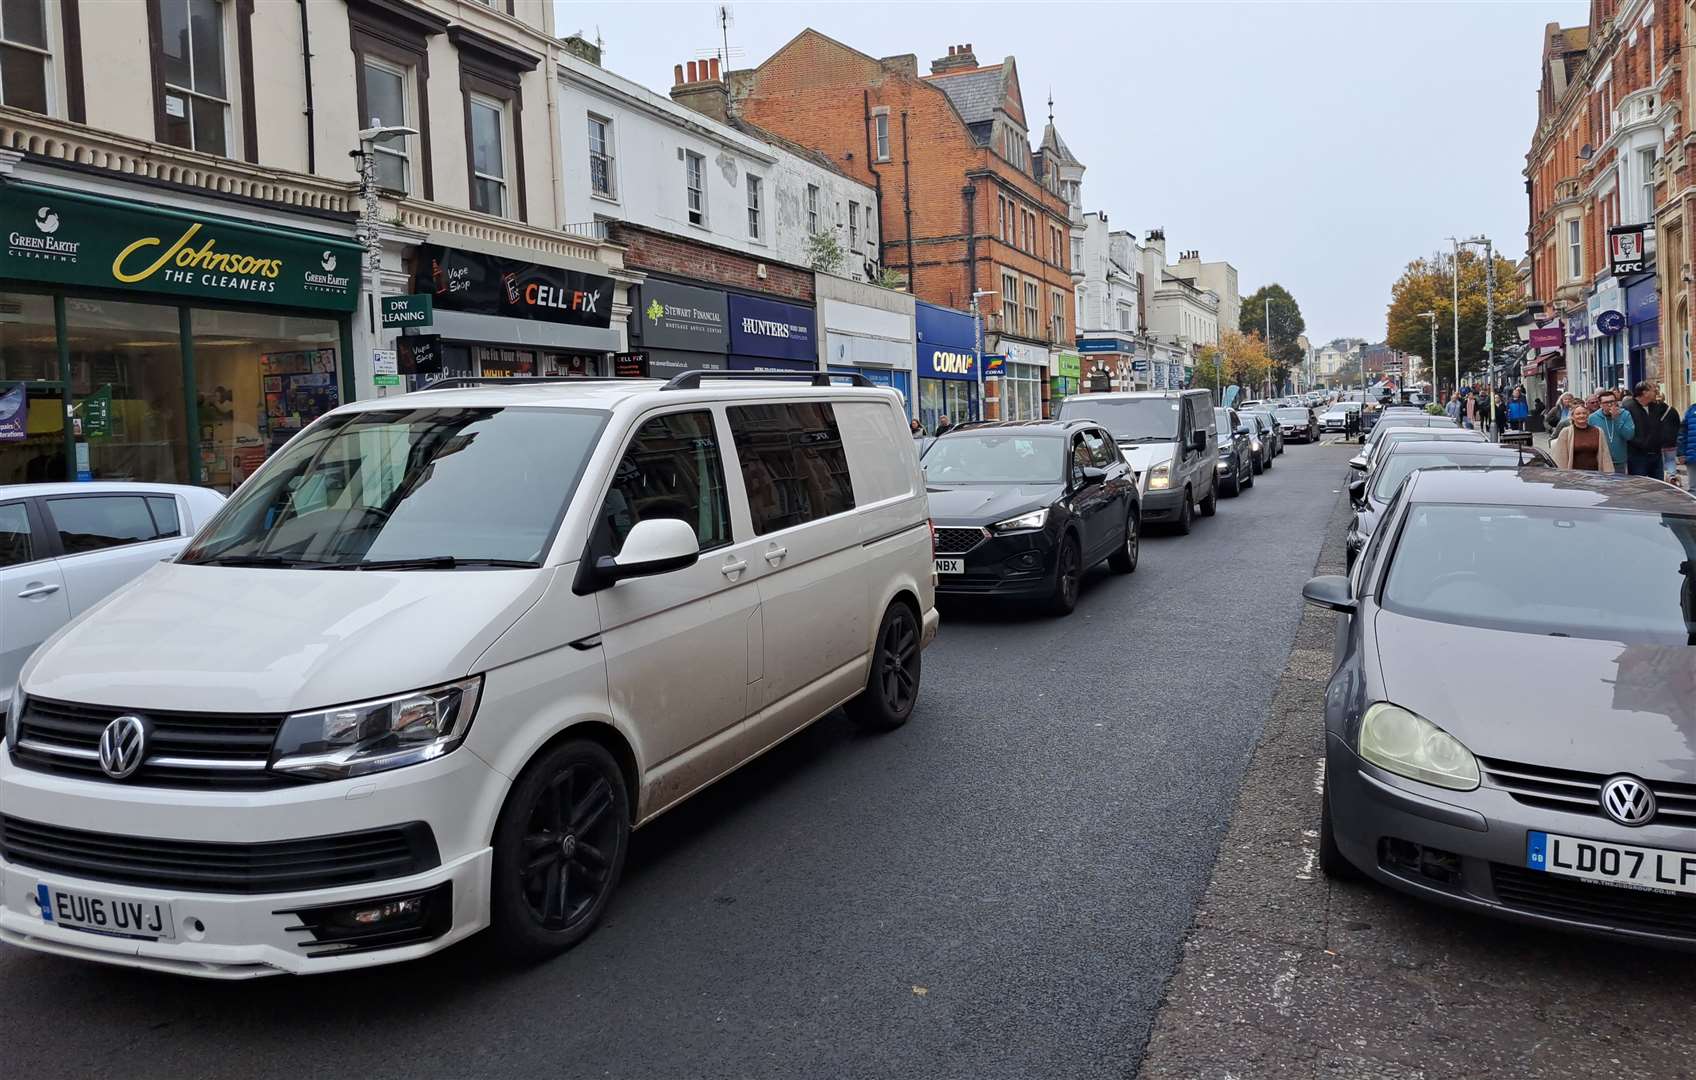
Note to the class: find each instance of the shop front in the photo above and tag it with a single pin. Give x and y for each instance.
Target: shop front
(771, 336)
(1066, 378)
(946, 364)
(497, 317)
(868, 331)
(1023, 371)
(1643, 329)
(676, 328)
(160, 343)
(1607, 332)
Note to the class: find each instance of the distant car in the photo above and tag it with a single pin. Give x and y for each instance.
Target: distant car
(1555, 789)
(65, 547)
(1237, 462)
(1390, 434)
(1336, 418)
(1296, 422)
(1371, 493)
(1267, 439)
(1023, 508)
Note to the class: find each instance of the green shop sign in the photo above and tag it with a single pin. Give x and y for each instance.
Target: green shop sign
(73, 238)
(1071, 366)
(413, 309)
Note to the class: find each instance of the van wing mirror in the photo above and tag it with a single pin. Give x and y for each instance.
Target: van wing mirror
(1198, 439)
(655, 546)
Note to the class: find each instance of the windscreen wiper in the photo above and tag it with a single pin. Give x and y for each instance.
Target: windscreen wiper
(430, 562)
(253, 560)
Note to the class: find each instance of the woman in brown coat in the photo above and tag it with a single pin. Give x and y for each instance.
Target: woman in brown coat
(1581, 445)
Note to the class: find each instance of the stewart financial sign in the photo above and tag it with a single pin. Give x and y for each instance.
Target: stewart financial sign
(74, 238)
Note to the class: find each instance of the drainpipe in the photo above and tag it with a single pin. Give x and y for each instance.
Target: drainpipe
(306, 67)
(877, 177)
(907, 204)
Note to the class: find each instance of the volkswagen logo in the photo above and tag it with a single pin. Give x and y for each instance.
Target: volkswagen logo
(1628, 800)
(123, 745)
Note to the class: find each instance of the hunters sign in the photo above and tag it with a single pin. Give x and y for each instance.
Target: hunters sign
(74, 238)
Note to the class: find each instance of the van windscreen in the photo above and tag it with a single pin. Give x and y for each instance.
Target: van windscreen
(1151, 419)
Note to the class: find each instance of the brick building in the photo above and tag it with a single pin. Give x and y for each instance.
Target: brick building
(967, 207)
(1609, 111)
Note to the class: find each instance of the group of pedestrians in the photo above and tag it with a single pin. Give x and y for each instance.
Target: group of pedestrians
(943, 427)
(1641, 435)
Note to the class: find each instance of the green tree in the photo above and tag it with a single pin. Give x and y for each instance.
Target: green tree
(1238, 360)
(824, 252)
(1426, 285)
(1273, 302)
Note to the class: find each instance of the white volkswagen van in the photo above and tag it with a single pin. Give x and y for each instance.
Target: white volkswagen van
(430, 666)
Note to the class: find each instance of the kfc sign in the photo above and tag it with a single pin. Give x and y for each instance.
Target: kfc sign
(1626, 252)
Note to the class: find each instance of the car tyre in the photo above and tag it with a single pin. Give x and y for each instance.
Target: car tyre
(1260, 466)
(1068, 577)
(1186, 515)
(1332, 863)
(1210, 505)
(1124, 560)
(1248, 480)
(892, 684)
(559, 850)
(1235, 487)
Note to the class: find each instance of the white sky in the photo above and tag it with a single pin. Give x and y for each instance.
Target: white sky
(1320, 145)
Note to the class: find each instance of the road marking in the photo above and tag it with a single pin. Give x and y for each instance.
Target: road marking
(1319, 777)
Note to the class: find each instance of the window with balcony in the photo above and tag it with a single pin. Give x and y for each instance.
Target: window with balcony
(24, 55)
(601, 178)
(196, 103)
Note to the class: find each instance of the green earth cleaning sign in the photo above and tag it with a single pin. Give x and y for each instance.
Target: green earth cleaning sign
(413, 309)
(75, 238)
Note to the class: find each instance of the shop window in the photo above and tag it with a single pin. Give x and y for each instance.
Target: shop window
(385, 106)
(792, 464)
(127, 386)
(94, 523)
(259, 379)
(695, 180)
(671, 470)
(23, 55)
(17, 545)
(197, 99)
(600, 157)
(486, 130)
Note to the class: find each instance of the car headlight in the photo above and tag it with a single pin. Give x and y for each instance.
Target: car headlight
(1255, 445)
(1036, 519)
(14, 715)
(1409, 745)
(1160, 476)
(371, 736)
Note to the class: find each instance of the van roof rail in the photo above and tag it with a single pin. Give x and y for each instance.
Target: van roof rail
(691, 380)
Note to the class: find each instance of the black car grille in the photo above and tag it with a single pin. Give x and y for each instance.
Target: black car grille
(219, 751)
(957, 541)
(1605, 905)
(1581, 792)
(318, 862)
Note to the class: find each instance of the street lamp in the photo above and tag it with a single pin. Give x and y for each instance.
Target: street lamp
(1432, 316)
(1489, 318)
(1454, 279)
(368, 220)
(977, 345)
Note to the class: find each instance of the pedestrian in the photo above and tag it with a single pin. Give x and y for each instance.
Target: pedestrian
(1557, 413)
(1581, 445)
(1643, 445)
(1518, 410)
(917, 428)
(1452, 409)
(1687, 445)
(1666, 418)
(1616, 426)
(943, 424)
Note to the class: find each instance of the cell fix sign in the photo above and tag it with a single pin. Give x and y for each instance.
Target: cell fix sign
(74, 238)
(490, 285)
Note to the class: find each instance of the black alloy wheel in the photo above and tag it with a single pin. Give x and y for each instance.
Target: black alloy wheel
(1210, 505)
(559, 849)
(1186, 515)
(1124, 560)
(1248, 477)
(1235, 487)
(892, 685)
(1068, 577)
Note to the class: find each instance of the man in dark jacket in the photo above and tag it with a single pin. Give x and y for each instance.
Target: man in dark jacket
(1643, 448)
(1666, 418)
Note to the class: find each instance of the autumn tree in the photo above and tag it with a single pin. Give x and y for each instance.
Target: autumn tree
(1426, 285)
(1273, 303)
(1238, 360)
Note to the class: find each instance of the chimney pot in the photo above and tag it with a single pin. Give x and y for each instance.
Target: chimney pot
(714, 64)
(692, 77)
(677, 75)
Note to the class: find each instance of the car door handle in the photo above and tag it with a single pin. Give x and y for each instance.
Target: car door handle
(38, 590)
(775, 556)
(731, 569)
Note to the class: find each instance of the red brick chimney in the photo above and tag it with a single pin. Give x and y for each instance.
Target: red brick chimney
(959, 58)
(703, 90)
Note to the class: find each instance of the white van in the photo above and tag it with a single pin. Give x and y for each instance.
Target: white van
(1170, 439)
(430, 666)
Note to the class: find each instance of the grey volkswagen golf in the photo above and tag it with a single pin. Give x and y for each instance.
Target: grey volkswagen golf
(1511, 724)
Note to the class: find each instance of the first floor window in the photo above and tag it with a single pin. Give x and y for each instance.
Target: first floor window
(197, 99)
(23, 55)
(695, 179)
(1033, 318)
(1057, 315)
(600, 156)
(488, 155)
(385, 102)
(753, 207)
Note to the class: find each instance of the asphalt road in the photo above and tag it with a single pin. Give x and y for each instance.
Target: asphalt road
(1000, 889)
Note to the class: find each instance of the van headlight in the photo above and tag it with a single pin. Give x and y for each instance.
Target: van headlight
(1036, 519)
(1160, 476)
(1409, 745)
(372, 736)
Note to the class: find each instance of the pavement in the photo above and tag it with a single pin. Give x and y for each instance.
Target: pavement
(1288, 976)
(999, 889)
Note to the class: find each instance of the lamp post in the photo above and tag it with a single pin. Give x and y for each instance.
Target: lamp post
(1489, 319)
(1454, 279)
(370, 237)
(1432, 317)
(977, 346)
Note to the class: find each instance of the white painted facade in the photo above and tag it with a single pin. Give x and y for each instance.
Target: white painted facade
(1219, 278)
(1180, 314)
(1106, 279)
(647, 145)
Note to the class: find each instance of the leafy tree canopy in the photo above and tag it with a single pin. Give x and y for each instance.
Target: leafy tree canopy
(1426, 285)
(1273, 302)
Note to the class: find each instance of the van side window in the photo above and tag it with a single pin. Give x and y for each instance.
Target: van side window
(793, 464)
(16, 544)
(671, 469)
(92, 523)
(1186, 426)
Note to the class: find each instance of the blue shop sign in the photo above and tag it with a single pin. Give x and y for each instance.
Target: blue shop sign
(1642, 302)
(1109, 346)
(1610, 322)
(946, 343)
(772, 329)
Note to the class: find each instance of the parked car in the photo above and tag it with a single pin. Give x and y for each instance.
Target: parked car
(1372, 492)
(66, 547)
(1169, 439)
(1336, 418)
(1297, 422)
(434, 661)
(1571, 814)
(1238, 460)
(1267, 440)
(1391, 433)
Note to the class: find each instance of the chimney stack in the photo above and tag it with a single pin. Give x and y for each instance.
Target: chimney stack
(703, 90)
(959, 58)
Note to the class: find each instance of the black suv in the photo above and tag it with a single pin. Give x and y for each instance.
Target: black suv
(1023, 508)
